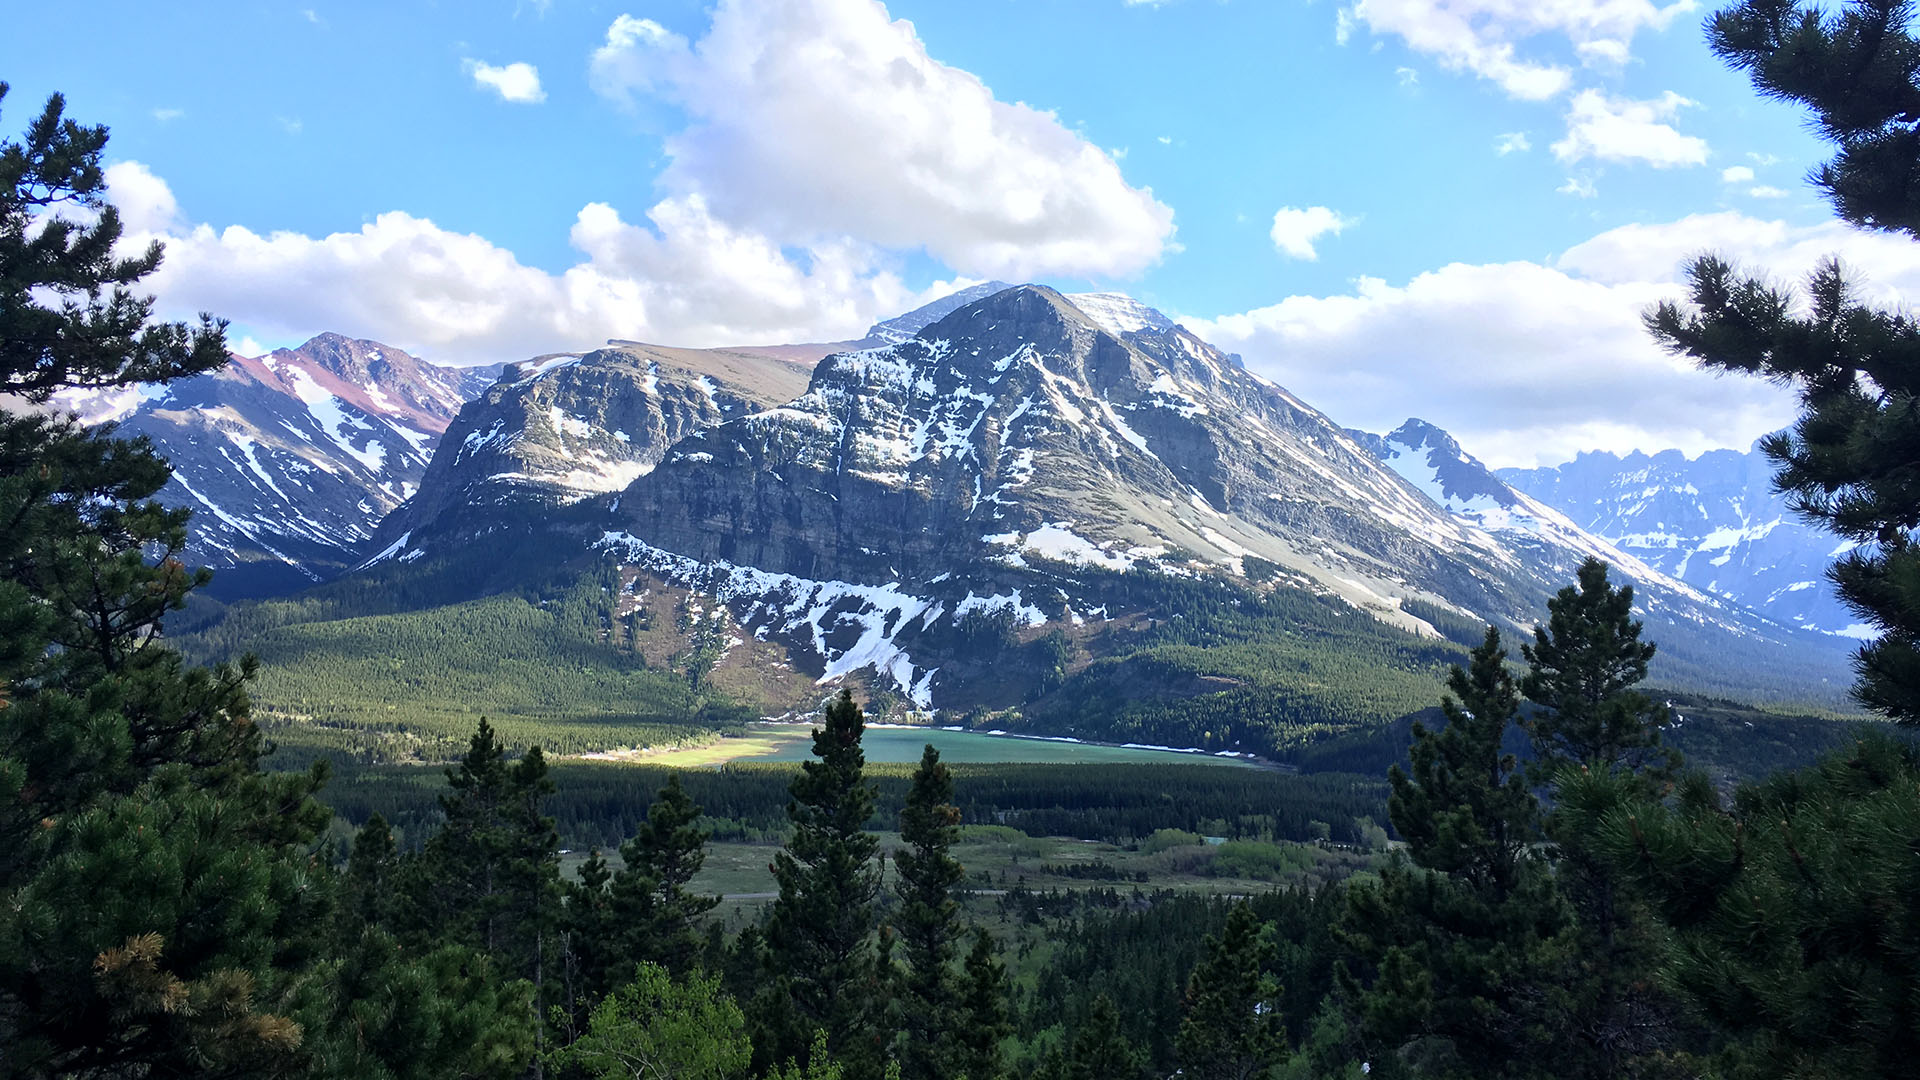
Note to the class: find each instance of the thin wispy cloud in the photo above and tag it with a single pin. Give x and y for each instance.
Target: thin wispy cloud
(1512, 142)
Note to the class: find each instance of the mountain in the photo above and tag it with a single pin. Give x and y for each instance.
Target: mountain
(902, 327)
(1433, 461)
(1060, 514)
(291, 459)
(562, 428)
(1713, 521)
(1026, 459)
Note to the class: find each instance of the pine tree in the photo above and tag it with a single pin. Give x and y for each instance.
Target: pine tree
(928, 924)
(366, 890)
(1794, 911)
(488, 880)
(587, 934)
(1465, 809)
(1845, 463)
(1100, 1050)
(653, 904)
(1583, 667)
(821, 926)
(158, 913)
(1232, 1026)
(1451, 959)
(985, 1016)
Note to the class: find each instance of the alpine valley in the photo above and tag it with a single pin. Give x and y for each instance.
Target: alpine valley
(1015, 508)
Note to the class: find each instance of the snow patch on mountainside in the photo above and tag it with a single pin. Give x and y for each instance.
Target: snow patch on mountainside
(822, 613)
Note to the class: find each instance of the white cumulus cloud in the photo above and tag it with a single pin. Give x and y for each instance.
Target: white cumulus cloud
(680, 277)
(826, 118)
(1295, 230)
(1623, 129)
(1485, 36)
(517, 82)
(1512, 142)
(1736, 174)
(1531, 362)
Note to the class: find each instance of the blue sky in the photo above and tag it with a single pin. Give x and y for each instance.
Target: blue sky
(394, 170)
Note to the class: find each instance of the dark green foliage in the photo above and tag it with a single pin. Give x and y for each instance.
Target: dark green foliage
(1232, 1029)
(1847, 463)
(1141, 956)
(68, 312)
(376, 1011)
(1855, 68)
(366, 890)
(1583, 666)
(1793, 913)
(652, 905)
(928, 925)
(1465, 809)
(1453, 954)
(985, 1018)
(1100, 1050)
(488, 880)
(600, 804)
(821, 927)
(158, 911)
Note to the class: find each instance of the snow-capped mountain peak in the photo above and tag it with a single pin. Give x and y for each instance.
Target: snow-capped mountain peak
(1118, 312)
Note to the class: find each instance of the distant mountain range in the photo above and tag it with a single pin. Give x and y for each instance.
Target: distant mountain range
(290, 460)
(1009, 462)
(1713, 521)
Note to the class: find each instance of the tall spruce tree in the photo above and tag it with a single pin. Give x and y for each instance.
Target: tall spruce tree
(1848, 462)
(158, 913)
(1100, 1049)
(985, 1013)
(1232, 1028)
(1452, 960)
(1585, 666)
(488, 880)
(587, 933)
(928, 924)
(654, 906)
(821, 927)
(1791, 911)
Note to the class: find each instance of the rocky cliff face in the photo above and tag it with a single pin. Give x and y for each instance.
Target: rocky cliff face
(1019, 428)
(291, 459)
(564, 428)
(1713, 521)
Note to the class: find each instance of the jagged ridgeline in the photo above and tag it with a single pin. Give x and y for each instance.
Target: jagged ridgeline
(1066, 511)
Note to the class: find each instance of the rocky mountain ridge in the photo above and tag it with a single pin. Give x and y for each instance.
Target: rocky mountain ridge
(1713, 521)
(291, 459)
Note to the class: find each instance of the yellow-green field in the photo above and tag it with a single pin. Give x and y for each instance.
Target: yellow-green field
(794, 742)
